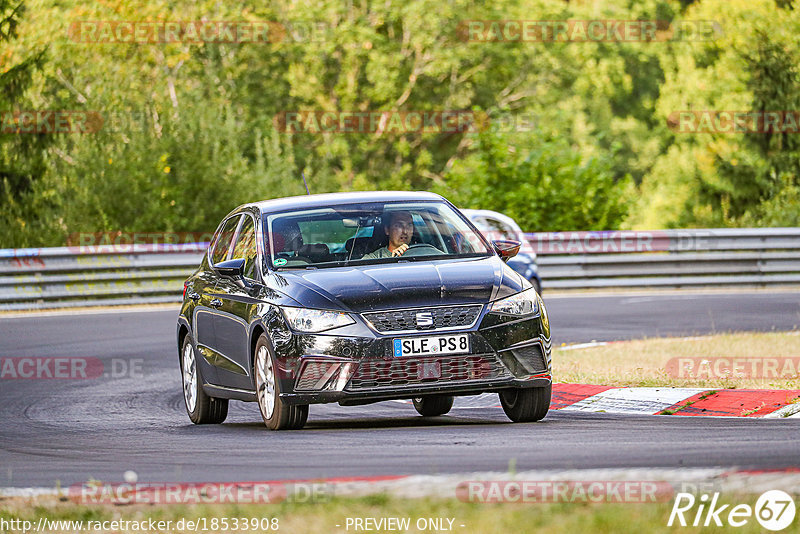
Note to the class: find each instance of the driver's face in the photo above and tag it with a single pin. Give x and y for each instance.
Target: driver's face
(400, 230)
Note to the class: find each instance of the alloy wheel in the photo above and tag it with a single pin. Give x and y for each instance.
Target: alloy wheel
(265, 374)
(189, 377)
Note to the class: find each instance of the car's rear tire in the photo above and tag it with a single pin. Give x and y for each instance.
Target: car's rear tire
(526, 405)
(202, 409)
(277, 414)
(433, 405)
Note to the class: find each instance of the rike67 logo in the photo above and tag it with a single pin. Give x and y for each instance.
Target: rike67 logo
(774, 510)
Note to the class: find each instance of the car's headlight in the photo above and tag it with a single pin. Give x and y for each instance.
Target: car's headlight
(523, 303)
(305, 320)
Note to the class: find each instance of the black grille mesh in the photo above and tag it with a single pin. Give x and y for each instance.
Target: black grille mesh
(406, 320)
(407, 371)
(531, 358)
(312, 373)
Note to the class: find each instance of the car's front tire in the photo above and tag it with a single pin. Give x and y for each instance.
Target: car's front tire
(433, 405)
(277, 414)
(202, 409)
(526, 405)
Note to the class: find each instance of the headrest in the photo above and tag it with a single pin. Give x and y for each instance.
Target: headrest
(286, 236)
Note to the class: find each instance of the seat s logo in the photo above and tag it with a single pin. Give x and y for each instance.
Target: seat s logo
(424, 319)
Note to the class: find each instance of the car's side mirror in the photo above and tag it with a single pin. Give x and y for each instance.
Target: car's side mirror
(506, 249)
(232, 269)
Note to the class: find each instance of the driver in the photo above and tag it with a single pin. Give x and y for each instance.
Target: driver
(399, 228)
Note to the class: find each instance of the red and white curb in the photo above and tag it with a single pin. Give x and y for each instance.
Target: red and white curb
(677, 401)
(634, 400)
(755, 403)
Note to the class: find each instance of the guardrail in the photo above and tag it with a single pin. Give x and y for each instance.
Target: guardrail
(753, 257)
(133, 274)
(95, 276)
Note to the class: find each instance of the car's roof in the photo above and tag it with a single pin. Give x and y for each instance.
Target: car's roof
(330, 199)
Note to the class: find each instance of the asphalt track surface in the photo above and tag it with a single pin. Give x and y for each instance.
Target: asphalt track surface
(71, 430)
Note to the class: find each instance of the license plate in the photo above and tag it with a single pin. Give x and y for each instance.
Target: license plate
(431, 346)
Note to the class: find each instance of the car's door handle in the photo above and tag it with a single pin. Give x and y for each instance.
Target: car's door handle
(216, 303)
(193, 295)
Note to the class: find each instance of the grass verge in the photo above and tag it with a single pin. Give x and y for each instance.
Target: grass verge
(774, 357)
(324, 517)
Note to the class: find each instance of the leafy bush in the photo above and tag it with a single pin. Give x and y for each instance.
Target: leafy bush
(544, 184)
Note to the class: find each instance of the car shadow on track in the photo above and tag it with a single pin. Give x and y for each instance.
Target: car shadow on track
(378, 423)
(385, 415)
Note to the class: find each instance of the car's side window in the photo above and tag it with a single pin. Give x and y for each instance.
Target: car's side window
(245, 247)
(223, 241)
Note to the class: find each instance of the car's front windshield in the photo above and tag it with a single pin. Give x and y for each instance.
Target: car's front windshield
(374, 232)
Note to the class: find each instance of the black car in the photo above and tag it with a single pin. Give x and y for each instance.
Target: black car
(357, 298)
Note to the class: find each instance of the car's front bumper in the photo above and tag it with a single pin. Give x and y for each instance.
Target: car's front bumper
(380, 394)
(358, 365)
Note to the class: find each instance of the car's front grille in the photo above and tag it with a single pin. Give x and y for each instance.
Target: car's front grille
(424, 319)
(400, 372)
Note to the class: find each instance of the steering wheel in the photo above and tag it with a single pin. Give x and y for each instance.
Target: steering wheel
(421, 249)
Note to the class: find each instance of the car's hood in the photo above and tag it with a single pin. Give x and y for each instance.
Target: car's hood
(372, 287)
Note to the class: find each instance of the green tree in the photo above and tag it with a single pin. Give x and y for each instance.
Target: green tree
(166, 173)
(21, 160)
(728, 179)
(545, 185)
(600, 145)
